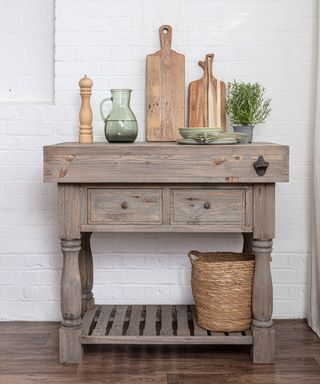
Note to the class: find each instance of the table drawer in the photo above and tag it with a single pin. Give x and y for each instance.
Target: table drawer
(211, 205)
(124, 206)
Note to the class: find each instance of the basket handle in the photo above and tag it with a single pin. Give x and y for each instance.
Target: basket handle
(193, 256)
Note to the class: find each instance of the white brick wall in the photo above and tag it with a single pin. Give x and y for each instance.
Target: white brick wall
(273, 42)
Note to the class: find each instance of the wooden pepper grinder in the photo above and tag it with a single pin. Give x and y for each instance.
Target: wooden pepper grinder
(85, 116)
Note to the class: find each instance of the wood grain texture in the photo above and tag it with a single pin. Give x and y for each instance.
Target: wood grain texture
(262, 293)
(207, 99)
(263, 349)
(151, 324)
(219, 178)
(262, 304)
(165, 77)
(135, 319)
(69, 211)
(182, 209)
(70, 347)
(166, 198)
(29, 355)
(71, 290)
(182, 320)
(118, 321)
(167, 340)
(88, 319)
(262, 296)
(205, 206)
(102, 322)
(264, 211)
(86, 272)
(163, 163)
(198, 331)
(85, 115)
(151, 318)
(166, 320)
(122, 206)
(70, 284)
(181, 228)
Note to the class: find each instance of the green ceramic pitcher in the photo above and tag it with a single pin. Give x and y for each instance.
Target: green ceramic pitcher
(120, 125)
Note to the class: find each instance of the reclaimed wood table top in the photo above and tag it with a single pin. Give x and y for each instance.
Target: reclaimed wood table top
(163, 163)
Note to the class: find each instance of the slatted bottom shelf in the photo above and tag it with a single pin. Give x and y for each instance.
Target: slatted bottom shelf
(151, 324)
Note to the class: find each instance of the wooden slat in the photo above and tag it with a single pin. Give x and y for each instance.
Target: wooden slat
(151, 318)
(87, 320)
(102, 323)
(182, 320)
(149, 335)
(218, 334)
(163, 340)
(117, 326)
(203, 228)
(166, 320)
(198, 331)
(134, 322)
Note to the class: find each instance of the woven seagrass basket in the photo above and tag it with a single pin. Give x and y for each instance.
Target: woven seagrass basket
(222, 288)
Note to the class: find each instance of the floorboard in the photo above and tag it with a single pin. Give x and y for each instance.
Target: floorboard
(29, 355)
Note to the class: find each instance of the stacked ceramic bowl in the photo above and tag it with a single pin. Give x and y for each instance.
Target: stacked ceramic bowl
(204, 135)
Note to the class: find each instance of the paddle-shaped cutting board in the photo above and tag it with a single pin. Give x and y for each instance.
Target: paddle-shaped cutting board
(165, 91)
(207, 99)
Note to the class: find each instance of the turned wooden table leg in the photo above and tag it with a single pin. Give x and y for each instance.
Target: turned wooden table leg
(71, 351)
(263, 349)
(262, 304)
(86, 272)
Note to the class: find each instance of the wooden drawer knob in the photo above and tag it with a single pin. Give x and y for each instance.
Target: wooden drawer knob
(124, 205)
(207, 204)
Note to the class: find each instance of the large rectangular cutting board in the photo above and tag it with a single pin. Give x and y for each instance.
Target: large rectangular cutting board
(165, 78)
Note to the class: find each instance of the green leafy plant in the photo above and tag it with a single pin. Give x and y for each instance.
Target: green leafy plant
(246, 104)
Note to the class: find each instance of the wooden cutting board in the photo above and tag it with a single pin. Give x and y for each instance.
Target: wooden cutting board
(207, 99)
(165, 78)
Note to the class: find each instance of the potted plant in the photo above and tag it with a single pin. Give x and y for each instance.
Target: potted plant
(247, 106)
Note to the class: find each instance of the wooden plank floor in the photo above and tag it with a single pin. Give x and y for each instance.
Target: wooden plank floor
(29, 354)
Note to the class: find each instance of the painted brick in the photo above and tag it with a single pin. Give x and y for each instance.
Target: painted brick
(271, 42)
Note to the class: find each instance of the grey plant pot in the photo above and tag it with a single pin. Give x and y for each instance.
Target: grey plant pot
(245, 129)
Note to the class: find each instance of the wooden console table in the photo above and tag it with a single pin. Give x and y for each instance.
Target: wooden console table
(152, 187)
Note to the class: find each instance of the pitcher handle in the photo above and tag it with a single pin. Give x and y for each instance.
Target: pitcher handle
(101, 107)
